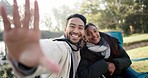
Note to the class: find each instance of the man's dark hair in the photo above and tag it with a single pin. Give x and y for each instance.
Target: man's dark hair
(89, 24)
(77, 16)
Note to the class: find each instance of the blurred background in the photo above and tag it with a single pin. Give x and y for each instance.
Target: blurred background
(126, 16)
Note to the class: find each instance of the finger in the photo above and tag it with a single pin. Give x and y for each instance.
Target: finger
(49, 64)
(36, 16)
(111, 73)
(6, 22)
(27, 14)
(16, 16)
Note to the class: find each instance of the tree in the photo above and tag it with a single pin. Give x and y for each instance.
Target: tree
(90, 8)
(47, 22)
(60, 14)
(99, 12)
(137, 18)
(128, 16)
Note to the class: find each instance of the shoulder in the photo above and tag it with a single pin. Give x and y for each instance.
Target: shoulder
(54, 44)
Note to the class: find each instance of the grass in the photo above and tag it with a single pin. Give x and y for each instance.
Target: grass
(141, 52)
(135, 38)
(141, 66)
(138, 52)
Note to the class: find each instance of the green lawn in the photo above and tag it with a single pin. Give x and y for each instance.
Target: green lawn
(141, 52)
(135, 38)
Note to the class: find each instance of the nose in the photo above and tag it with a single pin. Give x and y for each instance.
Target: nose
(76, 30)
(93, 35)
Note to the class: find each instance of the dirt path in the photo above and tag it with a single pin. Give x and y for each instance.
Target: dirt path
(136, 45)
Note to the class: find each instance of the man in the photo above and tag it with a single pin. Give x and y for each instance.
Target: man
(31, 56)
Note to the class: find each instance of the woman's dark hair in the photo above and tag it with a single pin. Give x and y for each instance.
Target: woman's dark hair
(89, 24)
(77, 16)
(111, 41)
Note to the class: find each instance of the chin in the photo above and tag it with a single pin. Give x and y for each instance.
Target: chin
(94, 42)
(74, 41)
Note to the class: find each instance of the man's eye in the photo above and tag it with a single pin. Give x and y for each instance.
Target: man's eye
(72, 26)
(81, 28)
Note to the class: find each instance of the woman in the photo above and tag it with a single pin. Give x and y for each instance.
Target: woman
(102, 56)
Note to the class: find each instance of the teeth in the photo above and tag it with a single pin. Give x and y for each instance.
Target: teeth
(76, 36)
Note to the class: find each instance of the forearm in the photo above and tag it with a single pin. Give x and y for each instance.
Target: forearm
(22, 70)
(93, 71)
(25, 71)
(123, 61)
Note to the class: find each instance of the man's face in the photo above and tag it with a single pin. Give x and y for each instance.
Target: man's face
(74, 30)
(92, 35)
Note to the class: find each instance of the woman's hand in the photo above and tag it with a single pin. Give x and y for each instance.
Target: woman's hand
(111, 68)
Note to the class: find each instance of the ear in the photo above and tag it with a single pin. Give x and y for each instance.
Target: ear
(65, 29)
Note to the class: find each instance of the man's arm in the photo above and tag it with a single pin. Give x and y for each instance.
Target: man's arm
(22, 40)
(50, 49)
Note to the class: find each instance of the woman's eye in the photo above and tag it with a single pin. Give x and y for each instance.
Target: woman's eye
(95, 31)
(88, 34)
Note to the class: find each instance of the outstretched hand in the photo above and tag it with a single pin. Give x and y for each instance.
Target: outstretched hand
(22, 40)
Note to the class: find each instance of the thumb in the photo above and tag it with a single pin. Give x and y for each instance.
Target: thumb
(49, 64)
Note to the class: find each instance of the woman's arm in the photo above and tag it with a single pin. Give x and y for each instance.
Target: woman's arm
(85, 70)
(123, 61)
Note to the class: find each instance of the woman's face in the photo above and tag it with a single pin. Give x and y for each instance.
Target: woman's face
(92, 35)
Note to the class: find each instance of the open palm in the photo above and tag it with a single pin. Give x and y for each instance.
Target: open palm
(22, 40)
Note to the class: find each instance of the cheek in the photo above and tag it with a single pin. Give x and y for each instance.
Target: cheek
(83, 33)
(67, 31)
(98, 36)
(89, 38)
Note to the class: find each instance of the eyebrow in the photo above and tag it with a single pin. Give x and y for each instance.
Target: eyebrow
(72, 24)
(81, 25)
(75, 24)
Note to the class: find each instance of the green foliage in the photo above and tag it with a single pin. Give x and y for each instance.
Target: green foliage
(137, 17)
(117, 14)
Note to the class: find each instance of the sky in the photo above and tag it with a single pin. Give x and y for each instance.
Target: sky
(45, 6)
